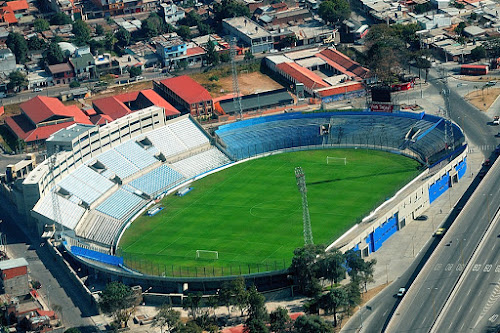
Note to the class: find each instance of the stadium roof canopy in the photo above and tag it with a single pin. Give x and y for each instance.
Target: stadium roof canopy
(258, 101)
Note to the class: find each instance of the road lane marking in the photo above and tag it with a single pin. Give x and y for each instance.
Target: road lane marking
(487, 268)
(448, 267)
(497, 270)
(476, 267)
(439, 266)
(460, 267)
(493, 318)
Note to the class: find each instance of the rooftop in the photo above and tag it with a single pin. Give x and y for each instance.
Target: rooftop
(187, 89)
(69, 133)
(60, 68)
(13, 263)
(302, 75)
(247, 27)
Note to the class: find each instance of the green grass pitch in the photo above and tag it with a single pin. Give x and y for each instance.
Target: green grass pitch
(251, 213)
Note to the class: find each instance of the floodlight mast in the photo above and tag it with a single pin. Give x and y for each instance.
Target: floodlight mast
(56, 209)
(306, 218)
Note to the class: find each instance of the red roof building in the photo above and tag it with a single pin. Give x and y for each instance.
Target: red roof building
(343, 64)
(9, 9)
(298, 74)
(114, 107)
(186, 94)
(41, 117)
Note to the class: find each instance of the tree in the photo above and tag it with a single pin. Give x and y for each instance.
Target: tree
(118, 301)
(332, 266)
(135, 71)
(213, 302)
(248, 55)
(123, 37)
(308, 324)
(459, 29)
(74, 84)
(305, 270)
(190, 327)
(81, 31)
(334, 11)
(41, 25)
(153, 26)
(333, 301)
(353, 294)
(167, 318)
(240, 293)
(478, 53)
(212, 55)
(99, 30)
(17, 80)
(184, 32)
(354, 262)
(60, 19)
(110, 41)
(17, 44)
(256, 305)
(226, 296)
(72, 330)
(367, 272)
(54, 54)
(229, 8)
(193, 304)
(280, 321)
(35, 43)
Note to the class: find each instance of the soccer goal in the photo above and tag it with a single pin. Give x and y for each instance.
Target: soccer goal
(207, 255)
(336, 160)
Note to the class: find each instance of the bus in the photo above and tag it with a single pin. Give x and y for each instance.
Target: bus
(362, 31)
(474, 70)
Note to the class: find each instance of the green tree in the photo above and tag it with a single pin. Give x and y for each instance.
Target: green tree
(334, 11)
(459, 29)
(54, 54)
(423, 7)
(280, 321)
(212, 55)
(333, 301)
(226, 296)
(118, 301)
(248, 55)
(184, 31)
(204, 29)
(123, 37)
(81, 31)
(213, 302)
(72, 330)
(60, 19)
(308, 324)
(35, 43)
(74, 84)
(153, 26)
(366, 275)
(41, 24)
(332, 267)
(18, 45)
(190, 327)
(167, 318)
(240, 293)
(193, 304)
(353, 294)
(305, 270)
(354, 262)
(110, 41)
(99, 30)
(135, 71)
(228, 9)
(478, 53)
(17, 81)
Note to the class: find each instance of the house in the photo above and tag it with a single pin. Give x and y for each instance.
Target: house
(249, 33)
(126, 62)
(111, 108)
(172, 13)
(14, 277)
(61, 73)
(170, 49)
(83, 66)
(12, 11)
(186, 95)
(7, 62)
(42, 116)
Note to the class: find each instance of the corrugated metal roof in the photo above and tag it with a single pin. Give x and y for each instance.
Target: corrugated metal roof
(13, 263)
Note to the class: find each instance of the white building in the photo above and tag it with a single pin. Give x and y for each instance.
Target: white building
(172, 13)
(7, 62)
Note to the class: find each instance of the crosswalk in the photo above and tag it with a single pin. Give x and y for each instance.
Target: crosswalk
(477, 267)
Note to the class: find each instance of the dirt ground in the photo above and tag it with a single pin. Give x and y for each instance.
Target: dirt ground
(482, 99)
(249, 82)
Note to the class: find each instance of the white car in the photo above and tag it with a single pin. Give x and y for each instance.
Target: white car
(37, 89)
(401, 292)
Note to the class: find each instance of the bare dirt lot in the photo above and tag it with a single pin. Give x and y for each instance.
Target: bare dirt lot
(482, 99)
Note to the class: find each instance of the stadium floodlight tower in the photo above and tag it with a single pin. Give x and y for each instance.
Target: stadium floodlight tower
(306, 218)
(56, 209)
(236, 87)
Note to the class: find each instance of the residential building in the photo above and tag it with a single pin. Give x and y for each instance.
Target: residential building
(169, 49)
(172, 13)
(107, 8)
(126, 62)
(249, 33)
(145, 53)
(12, 11)
(14, 277)
(186, 95)
(39, 79)
(7, 62)
(61, 73)
(42, 116)
(83, 66)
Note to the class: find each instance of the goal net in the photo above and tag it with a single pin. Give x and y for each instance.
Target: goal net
(207, 255)
(336, 160)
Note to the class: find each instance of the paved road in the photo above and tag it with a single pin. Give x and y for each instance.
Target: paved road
(57, 287)
(474, 305)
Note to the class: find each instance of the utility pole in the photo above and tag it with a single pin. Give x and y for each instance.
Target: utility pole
(306, 218)
(236, 87)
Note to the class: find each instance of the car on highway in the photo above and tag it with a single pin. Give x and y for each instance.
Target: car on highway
(482, 173)
(487, 162)
(401, 292)
(440, 232)
(497, 135)
(497, 149)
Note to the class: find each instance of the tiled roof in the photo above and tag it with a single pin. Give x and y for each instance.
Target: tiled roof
(111, 106)
(195, 51)
(17, 5)
(187, 89)
(302, 75)
(60, 68)
(346, 88)
(41, 108)
(343, 63)
(25, 130)
(100, 119)
(156, 99)
(7, 14)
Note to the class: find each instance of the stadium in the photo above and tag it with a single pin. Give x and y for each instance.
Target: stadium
(152, 201)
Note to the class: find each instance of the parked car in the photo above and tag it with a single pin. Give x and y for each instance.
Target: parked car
(401, 292)
(37, 89)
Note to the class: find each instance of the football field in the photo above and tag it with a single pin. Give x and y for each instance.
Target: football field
(250, 215)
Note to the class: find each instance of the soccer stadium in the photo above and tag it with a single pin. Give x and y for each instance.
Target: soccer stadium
(155, 201)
